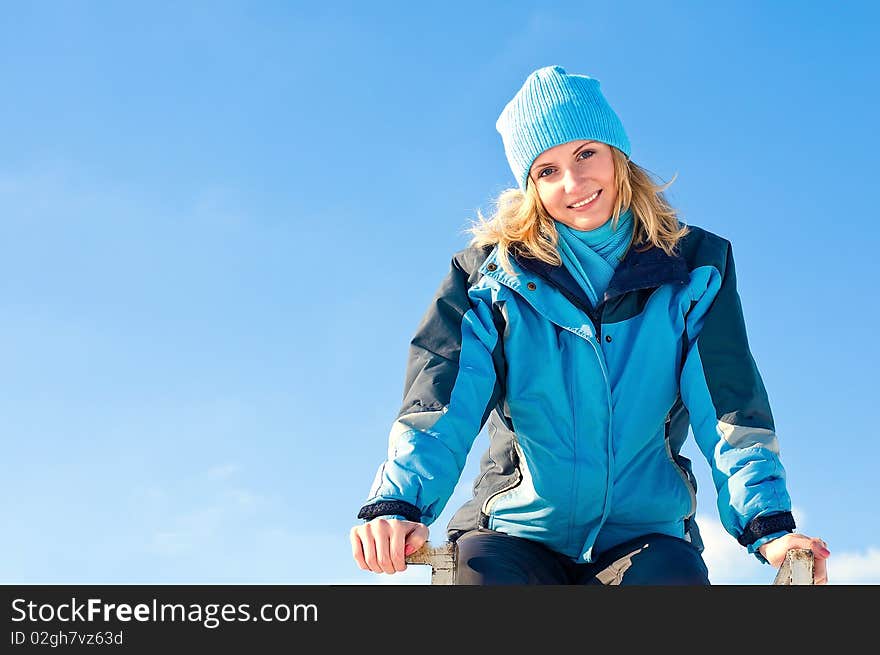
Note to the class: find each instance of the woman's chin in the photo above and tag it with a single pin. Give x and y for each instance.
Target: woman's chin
(584, 223)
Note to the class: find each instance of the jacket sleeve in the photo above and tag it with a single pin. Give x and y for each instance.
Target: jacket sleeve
(730, 411)
(450, 388)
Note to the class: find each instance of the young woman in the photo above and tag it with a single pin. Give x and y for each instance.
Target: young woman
(590, 329)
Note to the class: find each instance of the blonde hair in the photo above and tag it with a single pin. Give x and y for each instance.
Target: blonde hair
(521, 226)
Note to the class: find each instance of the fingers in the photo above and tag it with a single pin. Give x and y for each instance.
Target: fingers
(819, 548)
(820, 571)
(357, 548)
(396, 545)
(378, 545)
(817, 545)
(820, 566)
(363, 548)
(371, 549)
(820, 553)
(417, 537)
(775, 551)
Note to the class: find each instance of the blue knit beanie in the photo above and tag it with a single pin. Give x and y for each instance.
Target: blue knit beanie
(553, 108)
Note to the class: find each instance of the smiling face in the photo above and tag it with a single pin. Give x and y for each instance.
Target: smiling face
(575, 182)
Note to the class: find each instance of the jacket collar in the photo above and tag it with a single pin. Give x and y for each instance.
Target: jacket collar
(638, 270)
(646, 270)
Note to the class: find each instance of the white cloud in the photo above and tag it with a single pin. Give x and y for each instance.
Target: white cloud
(222, 471)
(855, 568)
(201, 526)
(728, 562)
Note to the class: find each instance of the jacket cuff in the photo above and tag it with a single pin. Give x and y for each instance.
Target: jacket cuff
(753, 548)
(384, 507)
(761, 526)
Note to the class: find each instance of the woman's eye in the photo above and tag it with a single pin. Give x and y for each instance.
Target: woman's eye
(583, 154)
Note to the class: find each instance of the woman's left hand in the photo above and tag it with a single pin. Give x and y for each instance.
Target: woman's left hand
(774, 552)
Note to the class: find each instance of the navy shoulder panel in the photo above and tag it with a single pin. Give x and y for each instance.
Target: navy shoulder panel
(700, 247)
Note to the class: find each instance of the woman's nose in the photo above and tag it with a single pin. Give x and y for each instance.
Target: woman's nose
(571, 180)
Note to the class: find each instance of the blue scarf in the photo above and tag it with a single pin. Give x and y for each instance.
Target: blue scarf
(592, 255)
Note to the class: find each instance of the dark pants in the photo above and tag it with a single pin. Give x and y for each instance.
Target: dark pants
(486, 557)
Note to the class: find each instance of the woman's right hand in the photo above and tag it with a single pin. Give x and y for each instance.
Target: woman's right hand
(381, 545)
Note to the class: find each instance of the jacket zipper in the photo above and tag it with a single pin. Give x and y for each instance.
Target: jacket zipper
(491, 500)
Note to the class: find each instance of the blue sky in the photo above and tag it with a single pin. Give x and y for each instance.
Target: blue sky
(221, 222)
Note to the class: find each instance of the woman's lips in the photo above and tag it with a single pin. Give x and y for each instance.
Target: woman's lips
(588, 205)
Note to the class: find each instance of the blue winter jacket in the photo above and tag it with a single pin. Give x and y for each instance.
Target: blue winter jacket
(587, 407)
